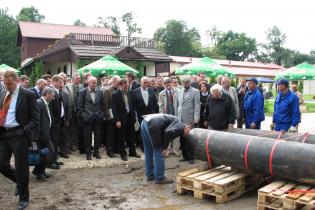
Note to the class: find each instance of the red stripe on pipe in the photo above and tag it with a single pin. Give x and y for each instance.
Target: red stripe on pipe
(271, 156)
(246, 153)
(207, 150)
(305, 137)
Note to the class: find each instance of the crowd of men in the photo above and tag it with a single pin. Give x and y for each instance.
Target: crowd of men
(64, 115)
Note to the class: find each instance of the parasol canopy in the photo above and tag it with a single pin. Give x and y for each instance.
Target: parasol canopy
(5, 67)
(206, 65)
(107, 65)
(303, 71)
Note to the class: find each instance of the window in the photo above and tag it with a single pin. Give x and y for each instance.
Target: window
(144, 70)
(65, 69)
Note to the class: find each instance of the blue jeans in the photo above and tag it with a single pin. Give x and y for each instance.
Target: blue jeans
(153, 157)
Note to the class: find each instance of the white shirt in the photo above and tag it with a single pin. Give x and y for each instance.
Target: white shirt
(10, 120)
(46, 104)
(145, 95)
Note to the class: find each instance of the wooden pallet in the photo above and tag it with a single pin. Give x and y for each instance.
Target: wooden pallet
(279, 195)
(222, 183)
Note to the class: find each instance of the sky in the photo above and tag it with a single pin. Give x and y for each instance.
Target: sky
(295, 18)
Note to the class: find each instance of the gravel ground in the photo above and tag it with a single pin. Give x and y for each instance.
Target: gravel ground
(115, 184)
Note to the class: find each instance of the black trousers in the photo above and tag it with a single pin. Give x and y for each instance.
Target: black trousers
(15, 142)
(55, 131)
(89, 129)
(126, 134)
(110, 136)
(46, 143)
(80, 137)
(73, 133)
(65, 132)
(187, 151)
(240, 122)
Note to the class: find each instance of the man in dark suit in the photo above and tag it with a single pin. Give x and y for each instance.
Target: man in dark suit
(72, 90)
(19, 116)
(132, 84)
(145, 101)
(85, 78)
(91, 112)
(124, 117)
(57, 113)
(38, 89)
(42, 133)
(111, 133)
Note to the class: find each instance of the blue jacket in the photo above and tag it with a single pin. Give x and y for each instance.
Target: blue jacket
(254, 107)
(286, 111)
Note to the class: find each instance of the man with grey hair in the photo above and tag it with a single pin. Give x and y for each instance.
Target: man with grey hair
(231, 91)
(220, 110)
(38, 89)
(187, 109)
(91, 113)
(145, 101)
(42, 134)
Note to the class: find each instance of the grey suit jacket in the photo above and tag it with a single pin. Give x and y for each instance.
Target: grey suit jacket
(163, 100)
(187, 108)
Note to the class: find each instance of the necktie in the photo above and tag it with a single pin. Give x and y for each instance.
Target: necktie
(171, 96)
(6, 103)
(5, 109)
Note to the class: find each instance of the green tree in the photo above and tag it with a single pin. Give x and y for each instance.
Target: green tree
(215, 35)
(177, 39)
(236, 46)
(131, 26)
(212, 52)
(9, 52)
(110, 22)
(273, 50)
(78, 22)
(30, 14)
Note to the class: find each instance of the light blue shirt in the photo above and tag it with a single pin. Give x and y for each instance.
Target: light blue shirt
(10, 120)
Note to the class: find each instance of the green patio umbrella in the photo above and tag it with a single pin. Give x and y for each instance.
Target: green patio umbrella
(206, 65)
(5, 67)
(303, 71)
(107, 65)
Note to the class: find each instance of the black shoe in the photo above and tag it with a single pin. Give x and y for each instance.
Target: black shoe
(47, 176)
(40, 177)
(134, 155)
(16, 192)
(64, 155)
(97, 156)
(54, 166)
(183, 159)
(191, 162)
(111, 155)
(151, 178)
(88, 157)
(22, 205)
(124, 158)
(59, 163)
(164, 181)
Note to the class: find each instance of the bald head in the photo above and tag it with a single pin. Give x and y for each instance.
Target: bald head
(92, 82)
(225, 82)
(41, 84)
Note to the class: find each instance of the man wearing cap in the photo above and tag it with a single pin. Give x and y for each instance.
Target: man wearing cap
(287, 115)
(253, 105)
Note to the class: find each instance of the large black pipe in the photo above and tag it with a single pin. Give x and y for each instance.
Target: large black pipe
(298, 137)
(284, 159)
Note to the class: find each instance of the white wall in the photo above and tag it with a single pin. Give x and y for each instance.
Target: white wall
(53, 67)
(150, 66)
(309, 87)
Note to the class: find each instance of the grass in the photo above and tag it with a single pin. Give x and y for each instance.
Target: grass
(308, 97)
(269, 107)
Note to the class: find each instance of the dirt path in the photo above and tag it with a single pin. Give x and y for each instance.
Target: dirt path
(112, 187)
